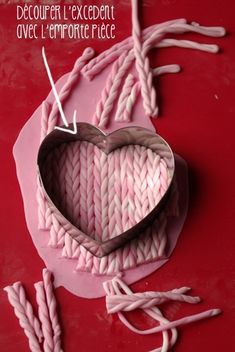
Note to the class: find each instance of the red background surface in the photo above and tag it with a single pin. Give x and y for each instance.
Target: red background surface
(198, 126)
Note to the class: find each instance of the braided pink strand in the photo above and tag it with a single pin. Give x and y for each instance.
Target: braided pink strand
(130, 100)
(46, 107)
(126, 90)
(71, 247)
(111, 192)
(90, 190)
(48, 344)
(146, 46)
(57, 233)
(25, 316)
(164, 326)
(117, 303)
(70, 188)
(19, 289)
(42, 207)
(104, 104)
(112, 287)
(117, 217)
(104, 196)
(87, 54)
(150, 35)
(51, 304)
(97, 193)
(97, 64)
(124, 189)
(83, 187)
(142, 66)
(130, 181)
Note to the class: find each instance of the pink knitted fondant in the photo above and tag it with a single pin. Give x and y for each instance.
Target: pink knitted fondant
(114, 203)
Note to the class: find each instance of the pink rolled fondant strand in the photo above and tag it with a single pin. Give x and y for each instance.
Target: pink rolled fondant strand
(114, 287)
(97, 195)
(116, 303)
(114, 89)
(57, 233)
(97, 64)
(46, 108)
(117, 286)
(25, 316)
(142, 65)
(43, 313)
(33, 320)
(52, 309)
(130, 100)
(126, 90)
(188, 44)
(87, 54)
(82, 175)
(106, 91)
(70, 248)
(157, 31)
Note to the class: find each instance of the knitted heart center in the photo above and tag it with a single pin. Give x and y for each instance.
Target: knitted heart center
(104, 195)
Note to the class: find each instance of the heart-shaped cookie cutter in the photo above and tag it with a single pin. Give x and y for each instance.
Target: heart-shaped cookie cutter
(106, 143)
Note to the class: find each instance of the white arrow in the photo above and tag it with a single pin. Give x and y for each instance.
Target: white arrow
(74, 130)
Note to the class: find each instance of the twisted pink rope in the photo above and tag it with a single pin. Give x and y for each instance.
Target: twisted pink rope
(126, 90)
(142, 65)
(52, 309)
(24, 312)
(105, 105)
(97, 64)
(48, 344)
(130, 93)
(115, 286)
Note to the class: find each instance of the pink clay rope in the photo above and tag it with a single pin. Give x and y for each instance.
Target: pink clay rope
(117, 285)
(96, 65)
(142, 65)
(109, 93)
(51, 304)
(129, 97)
(126, 90)
(24, 312)
(105, 106)
(48, 344)
(49, 332)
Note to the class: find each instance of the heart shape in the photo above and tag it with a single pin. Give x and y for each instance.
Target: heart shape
(105, 189)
